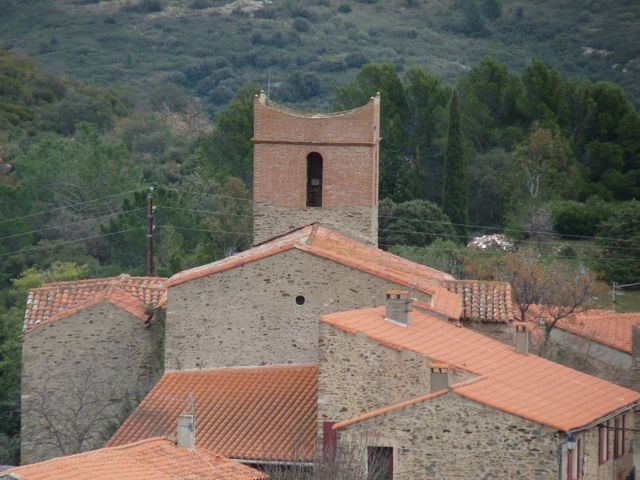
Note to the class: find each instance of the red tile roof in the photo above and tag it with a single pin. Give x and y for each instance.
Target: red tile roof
(58, 300)
(329, 244)
(149, 459)
(258, 413)
(483, 301)
(607, 327)
(524, 385)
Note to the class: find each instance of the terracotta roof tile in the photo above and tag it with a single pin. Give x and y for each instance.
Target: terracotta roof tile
(58, 300)
(524, 385)
(329, 244)
(261, 413)
(607, 327)
(483, 301)
(150, 459)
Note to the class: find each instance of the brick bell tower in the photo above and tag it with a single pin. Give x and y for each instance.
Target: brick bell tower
(315, 168)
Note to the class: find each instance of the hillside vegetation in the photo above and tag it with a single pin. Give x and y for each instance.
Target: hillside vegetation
(101, 100)
(308, 48)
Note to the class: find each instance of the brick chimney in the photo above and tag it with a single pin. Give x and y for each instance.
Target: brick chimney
(522, 338)
(186, 437)
(398, 306)
(439, 377)
(635, 345)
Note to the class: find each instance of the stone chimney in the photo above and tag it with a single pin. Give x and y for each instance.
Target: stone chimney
(439, 377)
(186, 437)
(522, 338)
(635, 345)
(398, 306)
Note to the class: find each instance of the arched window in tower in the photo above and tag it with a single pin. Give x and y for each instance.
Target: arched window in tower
(314, 180)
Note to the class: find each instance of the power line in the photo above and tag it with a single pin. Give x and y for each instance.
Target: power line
(480, 252)
(69, 206)
(203, 230)
(468, 225)
(70, 223)
(191, 192)
(44, 247)
(195, 210)
(534, 242)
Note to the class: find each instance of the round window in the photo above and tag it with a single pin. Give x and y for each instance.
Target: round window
(300, 300)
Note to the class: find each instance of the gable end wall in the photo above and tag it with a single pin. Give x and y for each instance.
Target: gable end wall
(102, 356)
(248, 316)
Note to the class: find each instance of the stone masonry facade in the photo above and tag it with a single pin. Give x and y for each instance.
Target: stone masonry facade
(358, 375)
(348, 143)
(447, 436)
(249, 315)
(454, 438)
(81, 375)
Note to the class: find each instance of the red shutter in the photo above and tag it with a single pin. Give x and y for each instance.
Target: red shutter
(622, 435)
(601, 445)
(580, 459)
(329, 441)
(616, 438)
(608, 442)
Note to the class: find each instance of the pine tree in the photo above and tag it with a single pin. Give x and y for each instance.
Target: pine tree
(455, 195)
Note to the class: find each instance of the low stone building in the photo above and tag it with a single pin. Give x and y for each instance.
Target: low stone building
(90, 351)
(428, 399)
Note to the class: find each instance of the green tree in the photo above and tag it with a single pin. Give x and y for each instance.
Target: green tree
(620, 241)
(228, 151)
(425, 124)
(63, 171)
(455, 193)
(543, 167)
(544, 99)
(492, 9)
(415, 222)
(491, 101)
(394, 168)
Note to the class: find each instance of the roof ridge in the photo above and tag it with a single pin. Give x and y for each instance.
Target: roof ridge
(106, 280)
(390, 408)
(284, 366)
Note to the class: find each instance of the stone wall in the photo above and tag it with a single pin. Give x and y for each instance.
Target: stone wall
(359, 222)
(613, 468)
(502, 332)
(358, 375)
(80, 376)
(454, 438)
(447, 436)
(249, 315)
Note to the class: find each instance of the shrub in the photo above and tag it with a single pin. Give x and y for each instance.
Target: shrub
(344, 8)
(574, 218)
(416, 222)
(200, 4)
(331, 65)
(145, 6)
(356, 59)
(302, 24)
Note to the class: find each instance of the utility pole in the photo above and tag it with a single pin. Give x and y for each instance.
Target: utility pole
(150, 229)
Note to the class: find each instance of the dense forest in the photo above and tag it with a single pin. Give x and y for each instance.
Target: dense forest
(551, 160)
(309, 48)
